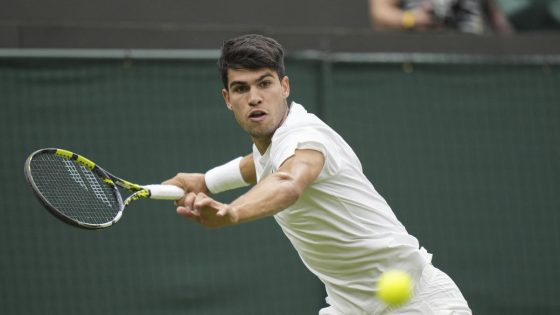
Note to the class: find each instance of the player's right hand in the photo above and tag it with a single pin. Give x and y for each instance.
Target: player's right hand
(189, 182)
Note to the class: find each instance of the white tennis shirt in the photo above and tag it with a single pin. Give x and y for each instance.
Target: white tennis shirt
(342, 229)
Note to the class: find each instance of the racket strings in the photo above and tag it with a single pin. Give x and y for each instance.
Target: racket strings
(74, 191)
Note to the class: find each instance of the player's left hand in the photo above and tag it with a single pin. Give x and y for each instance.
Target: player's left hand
(206, 211)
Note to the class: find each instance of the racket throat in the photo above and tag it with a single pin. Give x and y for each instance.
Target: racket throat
(142, 193)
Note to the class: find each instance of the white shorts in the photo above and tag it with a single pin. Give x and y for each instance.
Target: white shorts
(434, 294)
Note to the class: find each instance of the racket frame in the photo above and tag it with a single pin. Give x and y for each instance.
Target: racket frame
(109, 179)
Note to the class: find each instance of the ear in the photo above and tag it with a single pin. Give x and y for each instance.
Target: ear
(285, 86)
(225, 95)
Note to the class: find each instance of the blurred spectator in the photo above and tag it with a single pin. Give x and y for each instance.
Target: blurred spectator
(469, 16)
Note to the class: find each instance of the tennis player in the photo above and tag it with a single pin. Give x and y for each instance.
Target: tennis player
(309, 179)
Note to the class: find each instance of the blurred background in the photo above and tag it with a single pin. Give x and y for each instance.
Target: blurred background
(459, 131)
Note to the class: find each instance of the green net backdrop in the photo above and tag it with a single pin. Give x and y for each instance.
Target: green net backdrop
(466, 152)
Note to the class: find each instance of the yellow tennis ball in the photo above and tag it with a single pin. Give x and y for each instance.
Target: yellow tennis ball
(394, 287)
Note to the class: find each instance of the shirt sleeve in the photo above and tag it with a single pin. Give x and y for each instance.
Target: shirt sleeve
(302, 138)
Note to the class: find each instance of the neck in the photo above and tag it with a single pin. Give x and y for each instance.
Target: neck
(262, 144)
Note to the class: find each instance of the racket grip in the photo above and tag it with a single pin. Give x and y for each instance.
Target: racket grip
(165, 192)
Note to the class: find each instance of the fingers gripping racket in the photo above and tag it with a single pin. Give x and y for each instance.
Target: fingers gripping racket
(81, 193)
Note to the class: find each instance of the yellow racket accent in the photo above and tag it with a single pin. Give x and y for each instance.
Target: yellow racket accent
(85, 162)
(80, 159)
(64, 153)
(144, 193)
(128, 185)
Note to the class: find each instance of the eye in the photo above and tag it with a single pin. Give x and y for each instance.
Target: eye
(240, 88)
(265, 83)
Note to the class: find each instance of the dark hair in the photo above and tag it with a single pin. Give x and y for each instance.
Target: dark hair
(251, 51)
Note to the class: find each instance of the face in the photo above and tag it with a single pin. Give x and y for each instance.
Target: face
(258, 99)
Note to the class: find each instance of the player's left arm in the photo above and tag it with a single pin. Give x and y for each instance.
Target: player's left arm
(271, 195)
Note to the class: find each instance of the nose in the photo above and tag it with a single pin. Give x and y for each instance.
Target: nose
(254, 97)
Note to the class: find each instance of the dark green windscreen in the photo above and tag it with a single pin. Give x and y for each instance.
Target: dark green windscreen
(466, 154)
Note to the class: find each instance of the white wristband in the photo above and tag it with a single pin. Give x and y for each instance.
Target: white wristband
(225, 177)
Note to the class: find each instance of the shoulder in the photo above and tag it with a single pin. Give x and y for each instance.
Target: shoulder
(299, 121)
(303, 131)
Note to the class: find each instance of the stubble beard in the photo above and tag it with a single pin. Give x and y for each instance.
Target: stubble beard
(265, 132)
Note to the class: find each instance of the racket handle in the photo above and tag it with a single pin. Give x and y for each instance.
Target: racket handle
(165, 192)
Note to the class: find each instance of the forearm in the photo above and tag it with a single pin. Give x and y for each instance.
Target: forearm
(280, 189)
(385, 14)
(247, 167)
(273, 194)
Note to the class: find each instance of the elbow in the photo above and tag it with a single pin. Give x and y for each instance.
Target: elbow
(290, 189)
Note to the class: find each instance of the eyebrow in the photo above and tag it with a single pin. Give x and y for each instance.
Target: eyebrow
(262, 77)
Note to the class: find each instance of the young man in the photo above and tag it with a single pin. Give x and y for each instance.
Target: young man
(311, 181)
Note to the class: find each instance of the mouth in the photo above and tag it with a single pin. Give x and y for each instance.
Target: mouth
(257, 115)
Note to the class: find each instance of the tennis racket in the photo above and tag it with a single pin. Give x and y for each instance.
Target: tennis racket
(79, 192)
